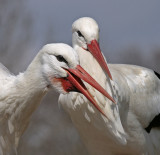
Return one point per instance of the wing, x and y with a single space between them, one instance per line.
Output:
142 92
4 72
5 77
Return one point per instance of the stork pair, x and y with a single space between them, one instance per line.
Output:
120 128
55 66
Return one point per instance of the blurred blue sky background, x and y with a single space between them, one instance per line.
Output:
122 22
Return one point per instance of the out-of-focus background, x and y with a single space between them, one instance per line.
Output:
129 33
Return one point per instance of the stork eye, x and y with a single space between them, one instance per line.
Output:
80 34
61 59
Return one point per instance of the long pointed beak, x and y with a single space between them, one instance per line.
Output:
82 74
94 48
75 76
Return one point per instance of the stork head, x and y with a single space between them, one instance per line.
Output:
85 34
56 60
61 69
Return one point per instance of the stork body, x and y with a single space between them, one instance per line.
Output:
20 96
126 130
55 66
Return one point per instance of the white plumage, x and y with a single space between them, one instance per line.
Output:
55 66
127 128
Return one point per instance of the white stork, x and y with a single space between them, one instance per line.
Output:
132 127
55 66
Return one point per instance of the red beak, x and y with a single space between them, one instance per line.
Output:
75 76
94 48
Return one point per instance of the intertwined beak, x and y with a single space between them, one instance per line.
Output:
76 75
94 48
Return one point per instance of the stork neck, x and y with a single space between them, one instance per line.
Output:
25 95
89 63
32 87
